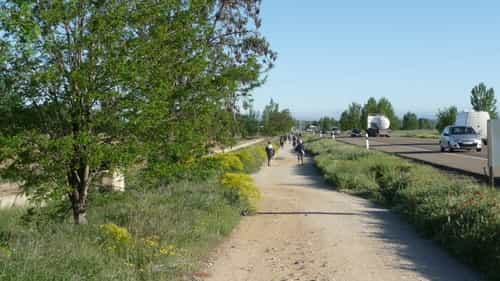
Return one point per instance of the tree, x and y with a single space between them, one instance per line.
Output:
370 107
351 118
426 124
327 123
249 123
446 117
396 123
384 107
410 121
96 85
276 122
483 99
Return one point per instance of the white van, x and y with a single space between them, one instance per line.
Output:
478 120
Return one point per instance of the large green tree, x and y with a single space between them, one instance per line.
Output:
483 99
351 118
276 121
410 121
95 85
446 117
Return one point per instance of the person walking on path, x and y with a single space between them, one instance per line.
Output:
300 149
269 153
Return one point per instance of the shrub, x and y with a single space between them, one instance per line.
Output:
115 235
230 162
241 188
252 157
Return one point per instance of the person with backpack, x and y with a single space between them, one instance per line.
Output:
300 149
269 153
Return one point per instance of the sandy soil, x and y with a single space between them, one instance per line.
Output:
306 232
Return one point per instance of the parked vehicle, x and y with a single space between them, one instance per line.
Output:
460 138
378 125
478 120
356 133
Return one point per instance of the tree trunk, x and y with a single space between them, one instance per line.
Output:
79 182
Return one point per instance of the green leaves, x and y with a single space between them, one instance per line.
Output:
276 122
351 118
483 99
410 121
97 85
446 117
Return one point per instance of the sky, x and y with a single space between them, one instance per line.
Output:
422 55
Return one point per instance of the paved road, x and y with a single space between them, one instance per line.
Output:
427 150
306 231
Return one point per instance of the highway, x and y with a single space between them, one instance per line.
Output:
428 151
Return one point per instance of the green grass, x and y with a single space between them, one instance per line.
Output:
160 230
423 134
458 212
192 217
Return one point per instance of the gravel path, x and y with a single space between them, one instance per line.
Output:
306 232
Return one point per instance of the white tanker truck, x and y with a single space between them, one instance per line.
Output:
378 125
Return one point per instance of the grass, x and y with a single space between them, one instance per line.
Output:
190 216
422 134
458 212
152 231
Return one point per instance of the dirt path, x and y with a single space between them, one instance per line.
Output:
306 232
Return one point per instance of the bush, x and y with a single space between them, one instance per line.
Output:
230 162
252 157
457 212
242 189
115 235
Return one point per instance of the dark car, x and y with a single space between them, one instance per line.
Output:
356 133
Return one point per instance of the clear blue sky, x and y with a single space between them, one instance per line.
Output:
422 55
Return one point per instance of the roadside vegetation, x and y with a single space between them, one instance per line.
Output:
145 90
458 212
153 231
